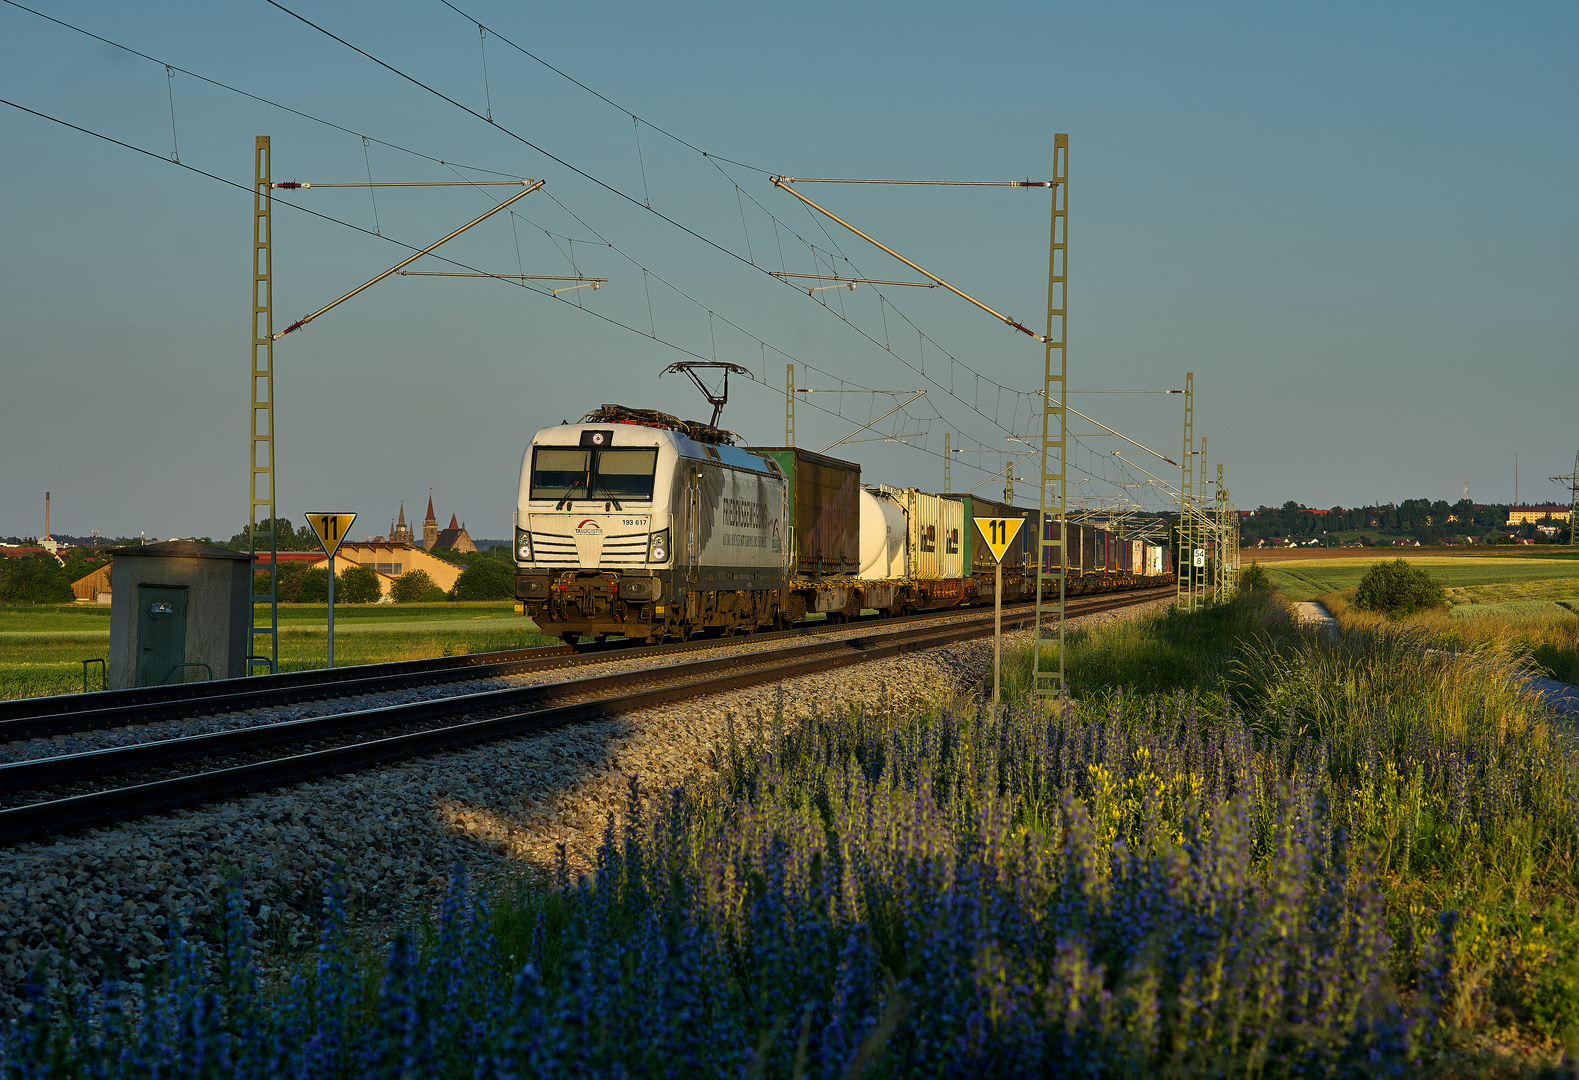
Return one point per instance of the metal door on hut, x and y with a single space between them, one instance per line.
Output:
161 633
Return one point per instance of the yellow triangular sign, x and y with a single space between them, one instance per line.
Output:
331 529
999 533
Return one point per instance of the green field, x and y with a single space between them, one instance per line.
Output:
1469 580
42 646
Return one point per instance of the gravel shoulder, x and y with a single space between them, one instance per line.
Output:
392 834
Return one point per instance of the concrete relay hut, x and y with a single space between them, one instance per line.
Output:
180 611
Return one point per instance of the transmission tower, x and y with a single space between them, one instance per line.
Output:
1572 483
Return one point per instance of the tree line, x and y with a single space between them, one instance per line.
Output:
40 579
1425 520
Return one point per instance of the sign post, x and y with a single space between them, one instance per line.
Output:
330 530
998 533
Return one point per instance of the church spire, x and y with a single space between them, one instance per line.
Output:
430 526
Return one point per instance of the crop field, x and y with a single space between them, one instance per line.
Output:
1484 579
42 646
1279 856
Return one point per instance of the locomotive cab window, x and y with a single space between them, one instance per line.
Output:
624 474
621 474
557 472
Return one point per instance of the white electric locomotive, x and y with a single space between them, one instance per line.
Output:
638 524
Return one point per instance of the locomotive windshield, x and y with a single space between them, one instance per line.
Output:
558 472
624 474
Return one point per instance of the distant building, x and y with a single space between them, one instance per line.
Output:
93 588
28 550
399 531
456 538
430 526
391 560
1518 515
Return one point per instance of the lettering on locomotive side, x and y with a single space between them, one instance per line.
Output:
740 514
745 540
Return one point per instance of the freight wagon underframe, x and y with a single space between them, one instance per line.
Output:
651 605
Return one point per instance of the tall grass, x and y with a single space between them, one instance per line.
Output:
1547 640
1435 755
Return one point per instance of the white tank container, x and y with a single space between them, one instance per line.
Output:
882 537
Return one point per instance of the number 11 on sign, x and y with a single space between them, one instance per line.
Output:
999 533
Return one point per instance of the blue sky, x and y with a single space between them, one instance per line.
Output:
1353 223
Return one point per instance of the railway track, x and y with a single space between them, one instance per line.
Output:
72 791
47 717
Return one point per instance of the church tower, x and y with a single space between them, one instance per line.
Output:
430 526
400 532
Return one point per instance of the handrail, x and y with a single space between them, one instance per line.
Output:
104 672
189 663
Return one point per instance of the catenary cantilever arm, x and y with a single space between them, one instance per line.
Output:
783 182
530 186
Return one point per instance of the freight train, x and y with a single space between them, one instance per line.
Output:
638 524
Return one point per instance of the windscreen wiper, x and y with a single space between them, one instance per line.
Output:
564 500
608 491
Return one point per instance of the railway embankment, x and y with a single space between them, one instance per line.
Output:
107 900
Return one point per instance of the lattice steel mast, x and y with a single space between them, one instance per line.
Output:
1220 566
789 404
261 442
1183 592
1055 429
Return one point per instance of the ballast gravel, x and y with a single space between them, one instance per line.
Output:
618 660
108 898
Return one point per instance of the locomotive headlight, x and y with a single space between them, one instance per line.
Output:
658 546
523 545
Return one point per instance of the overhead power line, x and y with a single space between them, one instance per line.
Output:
244 93
712 158
588 176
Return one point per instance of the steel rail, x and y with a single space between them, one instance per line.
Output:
32 718
21 823
212 695
93 764
99 700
